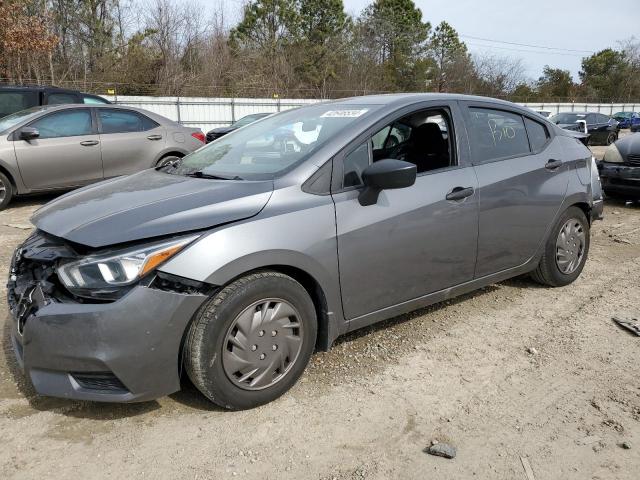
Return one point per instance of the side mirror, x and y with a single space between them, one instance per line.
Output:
385 175
29 133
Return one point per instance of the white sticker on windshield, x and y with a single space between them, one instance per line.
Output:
344 113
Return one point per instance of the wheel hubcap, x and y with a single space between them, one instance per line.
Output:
3 190
570 246
262 344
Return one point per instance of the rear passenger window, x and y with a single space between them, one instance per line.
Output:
61 99
123 121
538 134
496 134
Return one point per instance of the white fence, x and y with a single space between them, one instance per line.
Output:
208 113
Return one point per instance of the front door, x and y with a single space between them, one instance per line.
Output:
413 241
67 153
522 183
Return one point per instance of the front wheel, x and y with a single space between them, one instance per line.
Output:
612 138
6 191
251 342
565 251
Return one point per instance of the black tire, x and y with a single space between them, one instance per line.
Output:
548 272
612 137
6 191
207 338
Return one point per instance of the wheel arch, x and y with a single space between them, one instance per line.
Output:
585 207
169 152
327 331
7 173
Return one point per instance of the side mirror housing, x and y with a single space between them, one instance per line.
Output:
385 175
29 133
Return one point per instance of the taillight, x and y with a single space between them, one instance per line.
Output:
198 136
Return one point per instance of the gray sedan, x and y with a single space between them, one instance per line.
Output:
235 264
67 146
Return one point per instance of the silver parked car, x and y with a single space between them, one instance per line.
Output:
234 264
67 146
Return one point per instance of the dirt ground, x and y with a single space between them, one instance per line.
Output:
509 372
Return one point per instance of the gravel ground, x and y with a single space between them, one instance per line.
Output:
512 374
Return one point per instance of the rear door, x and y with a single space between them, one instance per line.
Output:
67 153
522 183
413 241
130 141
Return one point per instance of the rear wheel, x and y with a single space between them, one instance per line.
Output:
6 191
565 251
251 342
167 160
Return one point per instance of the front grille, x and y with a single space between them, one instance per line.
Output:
633 159
105 381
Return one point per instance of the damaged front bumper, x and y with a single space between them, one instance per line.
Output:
121 351
620 179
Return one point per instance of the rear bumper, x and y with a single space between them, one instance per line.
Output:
125 351
619 178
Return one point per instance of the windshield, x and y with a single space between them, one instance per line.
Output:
273 146
622 115
250 119
15 118
568 117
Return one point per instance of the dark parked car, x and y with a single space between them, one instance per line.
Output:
602 129
246 120
620 168
16 98
627 119
235 264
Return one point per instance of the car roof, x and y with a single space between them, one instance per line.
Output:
154 116
399 99
39 88
585 113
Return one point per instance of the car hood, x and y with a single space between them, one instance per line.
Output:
628 145
149 204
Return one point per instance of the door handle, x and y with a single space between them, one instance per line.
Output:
89 143
154 137
553 164
460 193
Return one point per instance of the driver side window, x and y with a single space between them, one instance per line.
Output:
67 123
421 138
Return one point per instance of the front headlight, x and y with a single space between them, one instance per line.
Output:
109 272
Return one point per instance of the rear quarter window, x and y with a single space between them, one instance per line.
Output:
496 134
538 134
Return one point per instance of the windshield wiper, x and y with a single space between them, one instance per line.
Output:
201 174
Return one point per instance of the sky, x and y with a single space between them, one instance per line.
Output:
589 25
